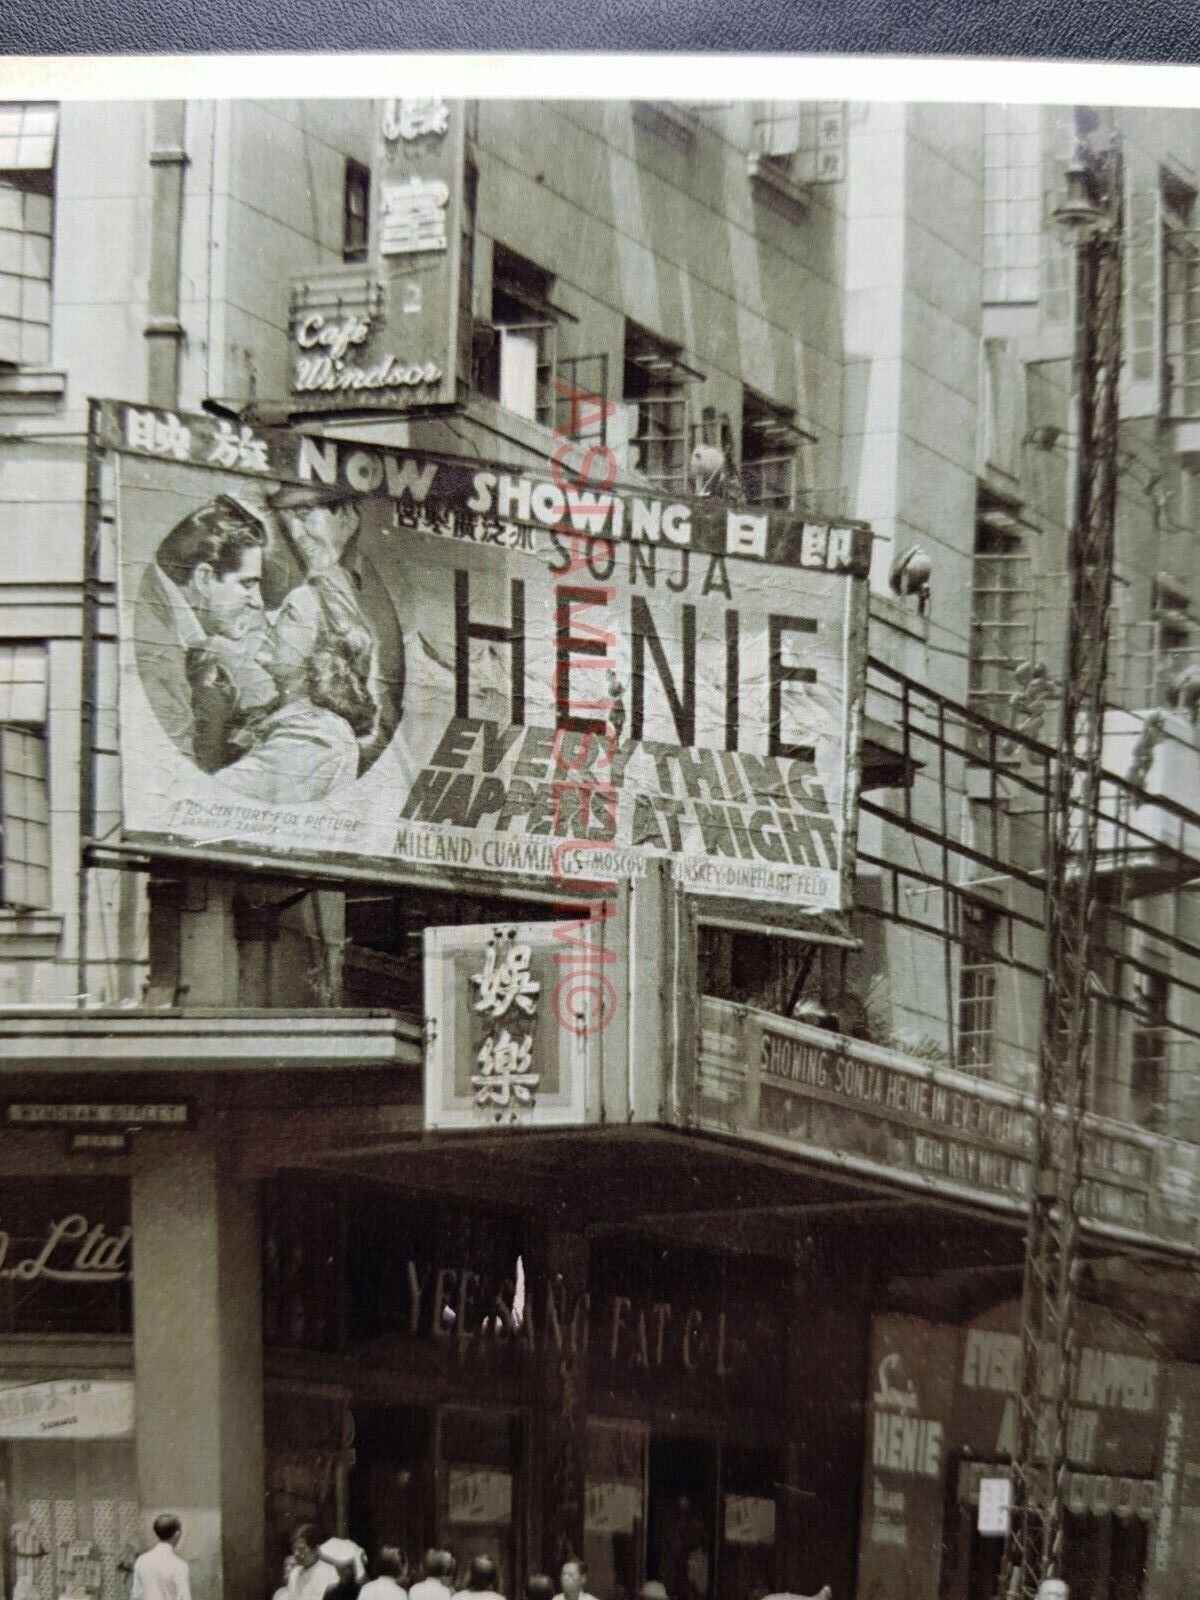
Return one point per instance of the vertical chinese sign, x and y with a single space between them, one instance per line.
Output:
394 334
497 1054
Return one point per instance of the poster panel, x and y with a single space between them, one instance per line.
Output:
333 652
1175 1535
909 1407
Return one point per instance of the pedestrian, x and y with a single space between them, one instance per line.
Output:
438 1568
161 1574
388 1567
481 1579
311 1576
573 1579
348 1561
289 1562
539 1587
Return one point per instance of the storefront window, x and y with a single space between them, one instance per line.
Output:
615 1508
749 1527
478 1490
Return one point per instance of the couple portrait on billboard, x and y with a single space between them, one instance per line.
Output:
267 645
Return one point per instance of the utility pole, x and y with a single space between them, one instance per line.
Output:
1092 211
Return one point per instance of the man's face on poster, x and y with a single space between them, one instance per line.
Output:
229 603
324 531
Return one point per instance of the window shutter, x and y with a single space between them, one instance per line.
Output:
1142 370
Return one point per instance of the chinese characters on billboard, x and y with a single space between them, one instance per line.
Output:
333 651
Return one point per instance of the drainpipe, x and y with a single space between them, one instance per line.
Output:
164 331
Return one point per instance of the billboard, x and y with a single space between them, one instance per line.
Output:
330 652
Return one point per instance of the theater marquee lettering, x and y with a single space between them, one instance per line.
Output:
812 1090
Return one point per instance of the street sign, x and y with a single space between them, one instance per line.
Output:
995 1500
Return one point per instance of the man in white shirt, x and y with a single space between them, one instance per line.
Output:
572 1578
439 1566
385 1585
310 1577
160 1574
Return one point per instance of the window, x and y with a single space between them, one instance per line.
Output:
1161 376
655 415
771 446
1181 248
27 144
977 987
356 211
1012 202
1148 1065
1001 632
24 804
515 356
581 399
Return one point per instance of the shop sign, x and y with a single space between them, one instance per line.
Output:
909 1406
479 1496
855 1104
499 1050
749 1519
74 1250
68 1409
610 1508
395 335
495 611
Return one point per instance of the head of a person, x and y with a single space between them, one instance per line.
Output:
168 1528
482 1575
338 678
652 1589
306 1541
389 1563
573 1577
444 1568
321 524
214 557
540 1587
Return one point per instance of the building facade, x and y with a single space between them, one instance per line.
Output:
738 1315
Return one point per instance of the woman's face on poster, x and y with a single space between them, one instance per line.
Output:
287 648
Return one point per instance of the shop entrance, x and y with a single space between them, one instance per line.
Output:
447 1477
681 1515
391 1492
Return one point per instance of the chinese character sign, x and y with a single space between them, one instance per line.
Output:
329 651
498 1051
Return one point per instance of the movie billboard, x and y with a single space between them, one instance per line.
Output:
330 652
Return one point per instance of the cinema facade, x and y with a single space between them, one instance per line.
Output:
737 1339
417 1148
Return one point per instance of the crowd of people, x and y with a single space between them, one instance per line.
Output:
337 1569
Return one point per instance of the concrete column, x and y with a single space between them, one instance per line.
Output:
197 1340
208 950
559 1462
